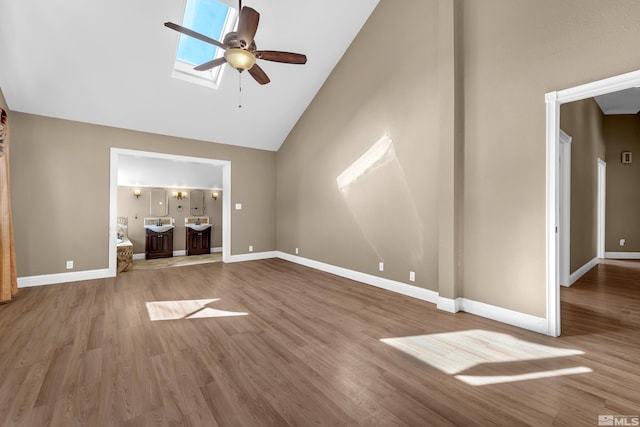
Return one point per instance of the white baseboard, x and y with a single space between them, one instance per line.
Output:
180 253
138 256
504 315
380 282
214 250
52 279
448 304
573 277
622 255
511 317
252 256
515 318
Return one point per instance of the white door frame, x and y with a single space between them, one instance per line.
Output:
113 202
565 208
602 204
553 101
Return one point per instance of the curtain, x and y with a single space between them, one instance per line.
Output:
8 274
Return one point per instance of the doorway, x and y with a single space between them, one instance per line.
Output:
553 102
116 156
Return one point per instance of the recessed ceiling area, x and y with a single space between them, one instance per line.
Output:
141 171
622 102
110 63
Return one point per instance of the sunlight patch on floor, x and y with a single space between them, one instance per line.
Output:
454 353
186 309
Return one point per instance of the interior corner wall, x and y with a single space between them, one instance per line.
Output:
60 186
584 122
386 211
622 133
514 53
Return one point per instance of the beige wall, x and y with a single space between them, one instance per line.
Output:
583 121
513 52
136 209
622 133
60 190
388 214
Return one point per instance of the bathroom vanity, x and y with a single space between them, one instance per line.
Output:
198 235
158 238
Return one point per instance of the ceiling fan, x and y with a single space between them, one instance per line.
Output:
240 49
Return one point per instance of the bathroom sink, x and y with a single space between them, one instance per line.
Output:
198 227
159 228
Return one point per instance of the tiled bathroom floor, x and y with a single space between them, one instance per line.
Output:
176 261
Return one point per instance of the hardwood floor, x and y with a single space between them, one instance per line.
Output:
274 343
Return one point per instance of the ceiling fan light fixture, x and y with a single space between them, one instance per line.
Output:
240 59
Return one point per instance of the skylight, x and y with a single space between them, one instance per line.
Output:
213 19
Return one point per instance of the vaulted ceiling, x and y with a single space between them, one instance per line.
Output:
110 63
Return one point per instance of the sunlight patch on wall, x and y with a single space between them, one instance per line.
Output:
480 357
375 154
375 190
186 309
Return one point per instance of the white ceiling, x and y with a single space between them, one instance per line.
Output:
621 102
110 63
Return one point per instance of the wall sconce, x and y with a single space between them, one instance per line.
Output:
137 193
214 195
180 195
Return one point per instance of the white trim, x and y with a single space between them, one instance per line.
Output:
113 202
602 208
180 253
52 279
582 271
565 208
552 214
379 282
252 256
448 304
139 256
216 249
499 314
504 315
622 255
515 318
553 101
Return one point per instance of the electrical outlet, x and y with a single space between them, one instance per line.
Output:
381 266
250 248
412 276
238 206
69 265
297 251
622 242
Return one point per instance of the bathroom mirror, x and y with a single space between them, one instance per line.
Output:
196 200
159 202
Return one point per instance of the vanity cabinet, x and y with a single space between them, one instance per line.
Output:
198 242
158 245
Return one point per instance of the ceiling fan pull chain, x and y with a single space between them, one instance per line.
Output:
239 90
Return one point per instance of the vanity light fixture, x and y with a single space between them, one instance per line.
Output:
214 195
180 195
137 193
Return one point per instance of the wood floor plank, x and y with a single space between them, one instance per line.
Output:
312 349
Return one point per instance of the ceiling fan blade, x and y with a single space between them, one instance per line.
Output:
210 64
193 34
259 74
286 57
247 25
